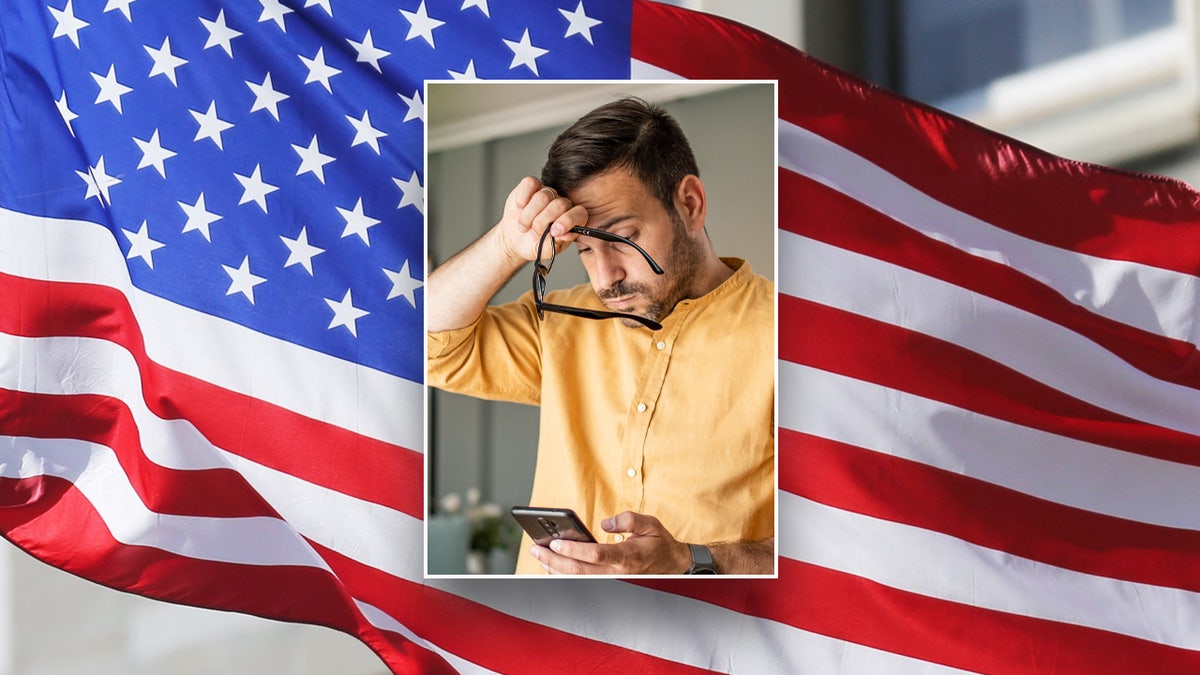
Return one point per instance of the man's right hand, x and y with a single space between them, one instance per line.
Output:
459 289
531 207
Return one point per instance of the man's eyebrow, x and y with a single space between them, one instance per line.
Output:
610 223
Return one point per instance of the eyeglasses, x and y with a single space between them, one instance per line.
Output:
540 270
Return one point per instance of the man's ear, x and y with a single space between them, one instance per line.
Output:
691 202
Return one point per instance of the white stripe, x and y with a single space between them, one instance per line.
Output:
356 528
361 399
680 629
97 474
937 565
1040 349
383 621
1152 299
1044 465
640 70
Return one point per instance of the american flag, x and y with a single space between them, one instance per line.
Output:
210 351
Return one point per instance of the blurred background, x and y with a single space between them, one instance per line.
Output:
1109 81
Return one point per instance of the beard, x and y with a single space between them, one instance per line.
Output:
681 268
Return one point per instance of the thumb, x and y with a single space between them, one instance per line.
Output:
634 523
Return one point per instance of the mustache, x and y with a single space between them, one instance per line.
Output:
621 289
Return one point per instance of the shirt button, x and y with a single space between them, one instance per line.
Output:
618 538
631 472
641 407
661 345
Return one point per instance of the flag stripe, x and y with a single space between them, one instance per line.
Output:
1063 361
60 525
960 635
374 404
993 450
1159 302
262 432
940 566
95 472
835 219
512 644
986 514
106 421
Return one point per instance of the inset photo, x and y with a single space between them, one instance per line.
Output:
600 314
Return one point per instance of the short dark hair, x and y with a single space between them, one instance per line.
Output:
629 134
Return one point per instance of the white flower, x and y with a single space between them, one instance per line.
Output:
451 503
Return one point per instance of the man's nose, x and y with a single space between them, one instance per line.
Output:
608 268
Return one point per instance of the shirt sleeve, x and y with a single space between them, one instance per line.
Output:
498 357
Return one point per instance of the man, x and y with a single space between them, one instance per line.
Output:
656 427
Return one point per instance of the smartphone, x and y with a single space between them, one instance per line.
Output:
545 525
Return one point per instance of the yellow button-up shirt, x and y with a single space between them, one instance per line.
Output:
676 423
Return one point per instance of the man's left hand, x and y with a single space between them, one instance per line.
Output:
648 548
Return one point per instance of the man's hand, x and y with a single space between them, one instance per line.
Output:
459 289
529 209
647 549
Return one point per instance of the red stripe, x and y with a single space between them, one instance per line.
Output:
58 525
857 610
829 216
847 477
490 638
866 349
268 434
1081 207
108 422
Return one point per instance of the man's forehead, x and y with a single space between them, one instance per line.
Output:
609 192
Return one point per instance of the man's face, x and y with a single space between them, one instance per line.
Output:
618 202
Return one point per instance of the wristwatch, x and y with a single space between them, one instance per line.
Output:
702 562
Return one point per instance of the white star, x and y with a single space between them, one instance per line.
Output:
122 5
211 126
219 33
524 53
323 3
318 71
368 52
420 24
345 313
98 182
67 23
110 90
254 189
266 97
165 62
481 4
142 246
416 107
414 194
580 23
357 222
241 280
274 11
154 154
403 284
198 217
67 114
311 159
468 74
364 132
300 252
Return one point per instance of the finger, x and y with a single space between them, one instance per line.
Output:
524 190
637 524
556 563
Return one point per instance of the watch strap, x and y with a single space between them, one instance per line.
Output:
702 561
